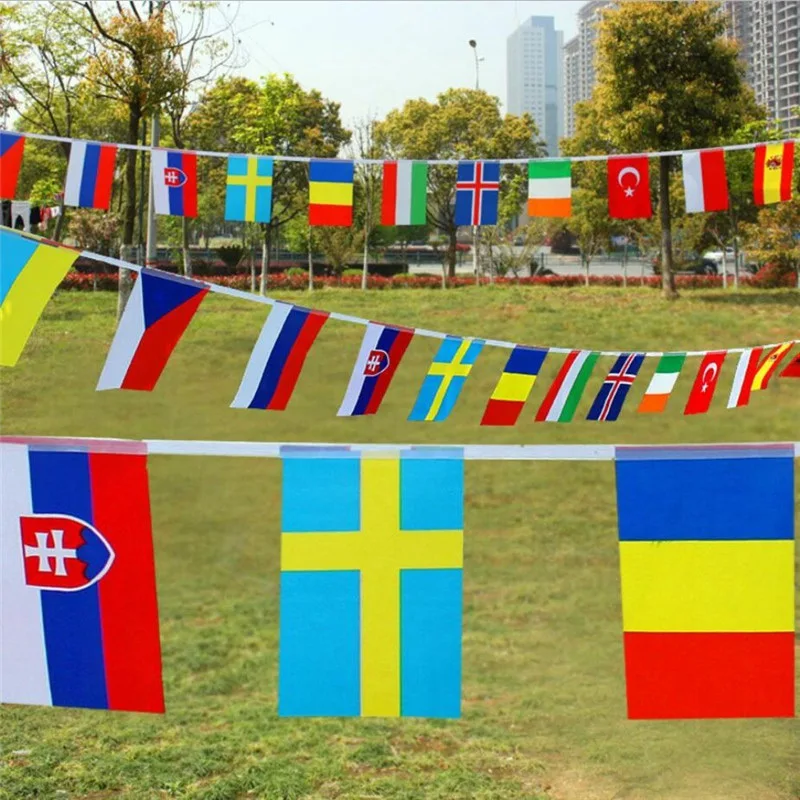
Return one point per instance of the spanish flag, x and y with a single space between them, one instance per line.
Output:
772 179
330 185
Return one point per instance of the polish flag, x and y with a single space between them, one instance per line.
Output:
704 180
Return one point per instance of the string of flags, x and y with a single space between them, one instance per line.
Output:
249 183
162 305
371 578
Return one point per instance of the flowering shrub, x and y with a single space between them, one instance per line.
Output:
768 278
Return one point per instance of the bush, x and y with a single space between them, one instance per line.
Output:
231 253
351 273
294 272
774 276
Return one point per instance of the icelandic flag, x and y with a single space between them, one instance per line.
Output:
615 388
90 175
78 608
477 192
174 175
278 357
381 351
12 145
158 312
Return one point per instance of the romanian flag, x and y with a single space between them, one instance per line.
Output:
90 175
30 271
550 188
707 573
515 384
12 146
330 186
371 584
159 310
278 357
446 376
772 179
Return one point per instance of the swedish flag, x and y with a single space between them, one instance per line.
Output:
248 197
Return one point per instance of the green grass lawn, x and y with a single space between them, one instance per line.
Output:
543 692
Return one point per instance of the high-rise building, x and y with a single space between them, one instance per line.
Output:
579 67
769 36
535 77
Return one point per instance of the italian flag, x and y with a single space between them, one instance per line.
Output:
662 383
549 188
405 186
563 396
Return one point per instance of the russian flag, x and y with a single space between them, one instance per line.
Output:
381 351
158 312
174 175
78 607
12 146
90 175
278 357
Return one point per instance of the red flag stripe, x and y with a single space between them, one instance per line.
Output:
787 169
715 183
389 198
105 177
758 175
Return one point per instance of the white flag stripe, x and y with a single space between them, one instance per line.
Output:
662 383
549 188
402 207
260 355
23 660
72 189
158 163
123 347
564 389
368 344
693 182
738 378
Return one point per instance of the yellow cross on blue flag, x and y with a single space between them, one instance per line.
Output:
446 375
371 583
248 196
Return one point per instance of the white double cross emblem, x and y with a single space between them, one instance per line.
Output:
57 552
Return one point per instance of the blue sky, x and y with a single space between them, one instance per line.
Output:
372 55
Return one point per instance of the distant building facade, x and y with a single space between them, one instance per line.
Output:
535 77
769 36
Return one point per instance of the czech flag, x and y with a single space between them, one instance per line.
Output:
158 312
11 148
78 607
381 351
90 175
174 175
278 357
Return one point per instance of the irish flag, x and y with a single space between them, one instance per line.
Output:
405 186
662 383
772 179
549 188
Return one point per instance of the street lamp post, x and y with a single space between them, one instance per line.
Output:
474 45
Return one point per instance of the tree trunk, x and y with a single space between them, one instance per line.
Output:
187 253
585 270
265 259
253 269
59 231
134 118
365 267
127 253
451 253
310 263
667 278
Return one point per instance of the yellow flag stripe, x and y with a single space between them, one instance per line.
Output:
27 297
331 194
772 177
707 586
513 386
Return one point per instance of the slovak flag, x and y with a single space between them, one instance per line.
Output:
78 607
382 349
160 308
477 192
174 175
90 175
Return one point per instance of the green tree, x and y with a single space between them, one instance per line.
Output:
461 124
590 224
668 80
775 236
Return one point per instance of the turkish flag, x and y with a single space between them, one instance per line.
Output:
629 188
792 368
705 383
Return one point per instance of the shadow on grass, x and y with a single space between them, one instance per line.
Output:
787 298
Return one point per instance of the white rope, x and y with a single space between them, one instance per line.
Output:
438 161
270 301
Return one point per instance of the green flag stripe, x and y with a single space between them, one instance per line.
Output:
419 190
575 393
549 169
671 362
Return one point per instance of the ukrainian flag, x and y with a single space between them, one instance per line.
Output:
30 271
442 385
330 185
371 583
248 196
